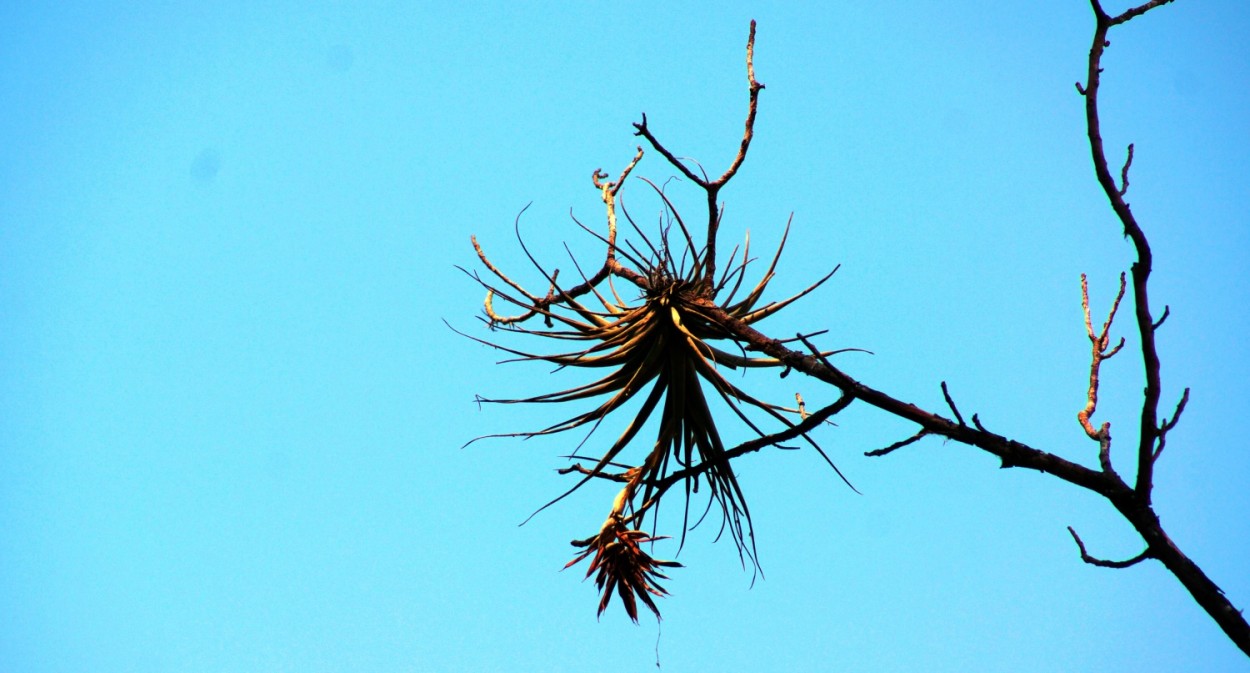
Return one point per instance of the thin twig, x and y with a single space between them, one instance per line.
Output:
1159 323
811 422
749 132
951 403
1102 563
1124 171
1098 353
897 445
580 469
1169 424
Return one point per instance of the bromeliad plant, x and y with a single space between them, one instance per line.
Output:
668 348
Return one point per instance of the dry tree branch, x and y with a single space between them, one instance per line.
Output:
1133 502
664 342
812 421
951 403
1142 267
1152 433
712 187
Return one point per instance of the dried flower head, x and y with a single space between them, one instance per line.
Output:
624 567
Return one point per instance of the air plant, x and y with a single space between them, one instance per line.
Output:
667 347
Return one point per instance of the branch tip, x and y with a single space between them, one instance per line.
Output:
1124 171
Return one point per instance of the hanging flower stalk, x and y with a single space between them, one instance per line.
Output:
668 347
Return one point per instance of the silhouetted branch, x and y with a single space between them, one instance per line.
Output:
1104 563
1169 424
951 403
977 422
897 445
806 425
1124 171
1166 313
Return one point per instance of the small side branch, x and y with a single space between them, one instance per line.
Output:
1159 323
977 422
951 403
1099 351
897 445
1169 424
1129 13
641 129
810 422
1103 563
749 133
578 468
616 186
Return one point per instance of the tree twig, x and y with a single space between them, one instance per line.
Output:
1102 563
897 445
951 403
1099 352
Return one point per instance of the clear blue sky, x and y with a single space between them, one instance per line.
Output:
231 417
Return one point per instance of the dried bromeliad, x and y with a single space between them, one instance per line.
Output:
662 347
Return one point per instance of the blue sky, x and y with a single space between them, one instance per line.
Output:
231 415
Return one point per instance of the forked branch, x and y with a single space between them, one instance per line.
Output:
1100 352
712 187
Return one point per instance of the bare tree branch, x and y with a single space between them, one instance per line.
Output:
1142 267
1104 563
